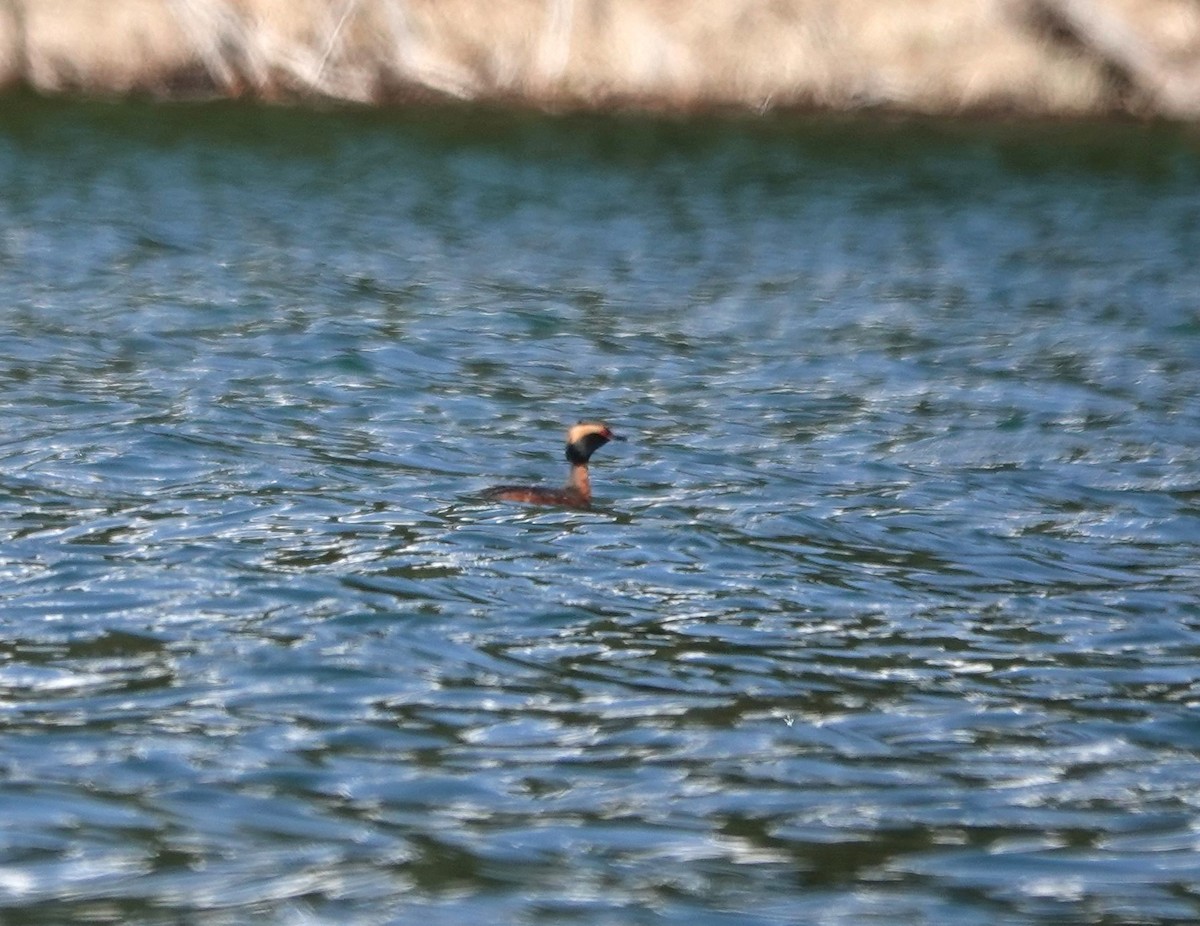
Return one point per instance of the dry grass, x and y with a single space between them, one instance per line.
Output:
938 56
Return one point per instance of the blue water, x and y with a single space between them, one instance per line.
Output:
886 611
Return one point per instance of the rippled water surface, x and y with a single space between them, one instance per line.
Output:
886 612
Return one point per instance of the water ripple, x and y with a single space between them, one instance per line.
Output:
885 612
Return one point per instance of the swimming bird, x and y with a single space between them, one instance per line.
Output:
583 440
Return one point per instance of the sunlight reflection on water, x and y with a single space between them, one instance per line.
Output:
886 609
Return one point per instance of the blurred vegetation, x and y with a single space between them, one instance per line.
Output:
1042 57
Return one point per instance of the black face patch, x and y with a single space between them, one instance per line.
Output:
581 450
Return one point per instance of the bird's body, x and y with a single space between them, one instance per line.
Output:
583 440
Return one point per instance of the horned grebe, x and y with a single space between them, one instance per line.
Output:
583 440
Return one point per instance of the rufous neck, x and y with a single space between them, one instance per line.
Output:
580 481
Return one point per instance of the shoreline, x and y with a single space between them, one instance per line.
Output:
1038 58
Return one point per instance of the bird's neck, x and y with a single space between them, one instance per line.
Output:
579 481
